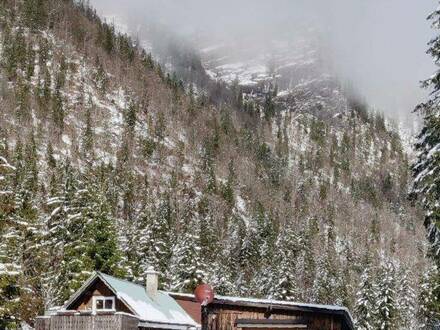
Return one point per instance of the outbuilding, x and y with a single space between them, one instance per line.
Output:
234 313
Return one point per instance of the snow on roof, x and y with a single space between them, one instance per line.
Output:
160 309
279 302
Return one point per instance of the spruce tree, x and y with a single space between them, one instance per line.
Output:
186 266
231 259
387 311
66 238
209 240
284 284
426 170
248 255
406 300
308 258
365 303
327 282
161 235
103 247
10 267
428 312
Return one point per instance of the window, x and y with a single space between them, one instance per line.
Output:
103 303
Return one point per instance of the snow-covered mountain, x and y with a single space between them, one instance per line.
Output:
249 169
250 62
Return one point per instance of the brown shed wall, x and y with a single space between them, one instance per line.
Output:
223 317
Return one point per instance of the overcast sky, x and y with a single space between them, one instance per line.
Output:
379 45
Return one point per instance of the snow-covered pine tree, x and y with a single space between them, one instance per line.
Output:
75 265
81 233
248 256
145 246
308 258
102 246
208 235
29 224
365 303
161 229
20 228
347 287
426 170
266 234
284 283
62 211
327 282
186 265
426 173
406 300
262 266
428 312
10 268
386 304
127 238
227 271
219 274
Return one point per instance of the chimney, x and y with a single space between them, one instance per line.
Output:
152 282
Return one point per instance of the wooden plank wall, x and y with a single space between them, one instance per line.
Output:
87 322
224 318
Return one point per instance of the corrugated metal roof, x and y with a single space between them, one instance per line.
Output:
161 309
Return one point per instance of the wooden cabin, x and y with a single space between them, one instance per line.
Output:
231 313
105 302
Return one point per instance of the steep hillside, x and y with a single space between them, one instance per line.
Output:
108 163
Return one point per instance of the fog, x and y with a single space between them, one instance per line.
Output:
379 46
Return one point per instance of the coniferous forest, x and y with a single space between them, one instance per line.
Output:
109 162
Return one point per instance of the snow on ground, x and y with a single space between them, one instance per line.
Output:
231 61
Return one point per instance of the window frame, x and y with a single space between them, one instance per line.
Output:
104 299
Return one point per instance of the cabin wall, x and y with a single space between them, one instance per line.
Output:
223 318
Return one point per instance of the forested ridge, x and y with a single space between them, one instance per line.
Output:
109 163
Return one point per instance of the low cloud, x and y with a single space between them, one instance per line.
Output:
377 45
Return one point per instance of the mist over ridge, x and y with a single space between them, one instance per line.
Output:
376 46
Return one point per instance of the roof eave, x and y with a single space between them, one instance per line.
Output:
173 326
